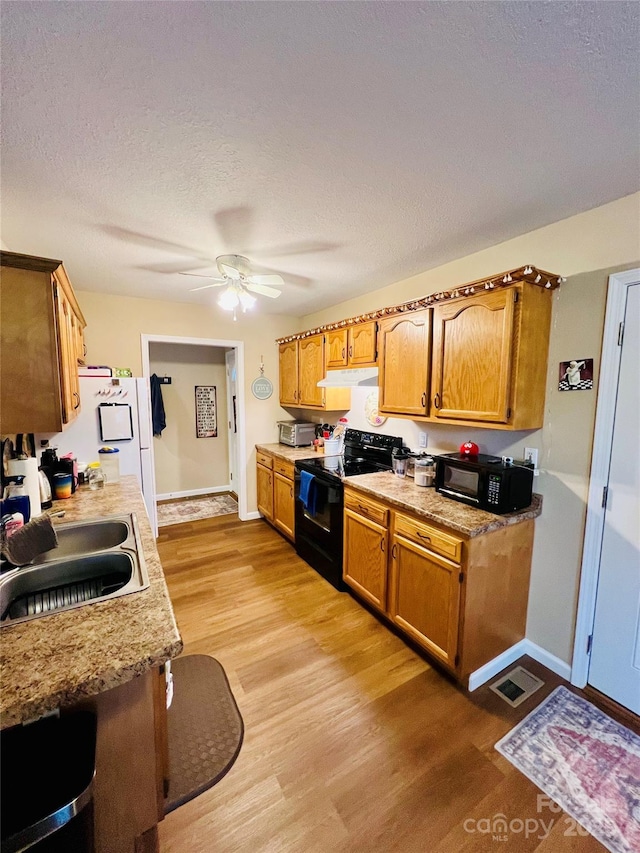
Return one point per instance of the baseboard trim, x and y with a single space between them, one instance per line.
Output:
193 493
250 516
510 655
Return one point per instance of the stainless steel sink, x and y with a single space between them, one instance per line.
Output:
95 561
87 538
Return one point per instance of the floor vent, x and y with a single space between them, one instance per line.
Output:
516 686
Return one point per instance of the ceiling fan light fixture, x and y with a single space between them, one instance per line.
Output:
229 299
246 299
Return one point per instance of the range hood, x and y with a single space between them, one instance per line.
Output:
350 378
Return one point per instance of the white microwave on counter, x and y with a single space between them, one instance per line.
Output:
296 433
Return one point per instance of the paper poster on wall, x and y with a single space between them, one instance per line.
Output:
206 416
576 375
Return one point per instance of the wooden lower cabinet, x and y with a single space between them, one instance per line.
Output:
365 558
462 599
275 480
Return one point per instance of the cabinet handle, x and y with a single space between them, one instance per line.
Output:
436 401
350 351
343 352
423 399
394 551
84 349
291 491
422 536
77 396
295 395
382 545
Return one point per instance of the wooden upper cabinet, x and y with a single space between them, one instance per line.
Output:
490 358
363 345
40 339
288 362
310 371
352 346
337 343
404 342
472 348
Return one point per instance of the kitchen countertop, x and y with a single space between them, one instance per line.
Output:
56 660
430 505
289 454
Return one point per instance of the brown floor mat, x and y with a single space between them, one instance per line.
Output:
205 728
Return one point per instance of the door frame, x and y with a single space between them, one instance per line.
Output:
600 462
232 385
238 346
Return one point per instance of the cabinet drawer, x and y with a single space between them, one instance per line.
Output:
282 466
423 534
370 509
264 459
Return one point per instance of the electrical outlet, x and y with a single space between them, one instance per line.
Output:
422 439
531 457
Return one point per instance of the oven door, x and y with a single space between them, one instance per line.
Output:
318 537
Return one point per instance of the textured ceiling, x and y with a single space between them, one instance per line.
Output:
344 144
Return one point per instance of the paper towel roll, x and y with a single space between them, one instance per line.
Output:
28 468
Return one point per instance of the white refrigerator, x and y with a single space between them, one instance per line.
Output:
84 437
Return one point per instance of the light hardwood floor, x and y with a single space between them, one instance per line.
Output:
353 741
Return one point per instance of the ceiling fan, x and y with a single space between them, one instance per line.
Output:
239 283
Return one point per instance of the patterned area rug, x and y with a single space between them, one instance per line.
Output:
205 729
586 762
195 509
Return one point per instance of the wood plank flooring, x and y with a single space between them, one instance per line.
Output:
353 741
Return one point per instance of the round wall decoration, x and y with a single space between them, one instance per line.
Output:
262 388
371 409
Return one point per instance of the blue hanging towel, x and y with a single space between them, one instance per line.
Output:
308 494
157 406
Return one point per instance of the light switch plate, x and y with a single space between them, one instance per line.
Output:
422 439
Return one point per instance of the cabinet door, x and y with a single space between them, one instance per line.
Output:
264 480
363 344
283 504
288 364
472 345
311 371
365 558
337 348
404 342
424 598
66 330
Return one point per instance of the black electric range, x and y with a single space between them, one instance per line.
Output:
319 527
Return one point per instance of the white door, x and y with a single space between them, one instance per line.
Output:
615 653
232 417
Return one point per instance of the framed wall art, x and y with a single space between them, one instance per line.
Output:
206 414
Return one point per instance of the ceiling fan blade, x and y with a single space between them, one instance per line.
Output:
207 286
269 280
200 275
262 289
231 272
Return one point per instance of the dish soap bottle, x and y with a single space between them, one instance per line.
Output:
15 498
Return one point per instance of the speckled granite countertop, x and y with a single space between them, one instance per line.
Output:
56 660
427 503
290 454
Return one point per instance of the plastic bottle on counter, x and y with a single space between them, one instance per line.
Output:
12 522
96 476
110 462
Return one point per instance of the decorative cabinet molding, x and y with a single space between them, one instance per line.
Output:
41 345
447 593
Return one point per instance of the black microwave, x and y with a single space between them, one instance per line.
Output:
485 482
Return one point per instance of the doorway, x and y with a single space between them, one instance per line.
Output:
607 643
221 346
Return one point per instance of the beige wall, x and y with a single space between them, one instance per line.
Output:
115 323
184 462
587 249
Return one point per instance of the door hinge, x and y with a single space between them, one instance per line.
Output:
231 475
605 495
460 577
620 333
589 643
516 295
